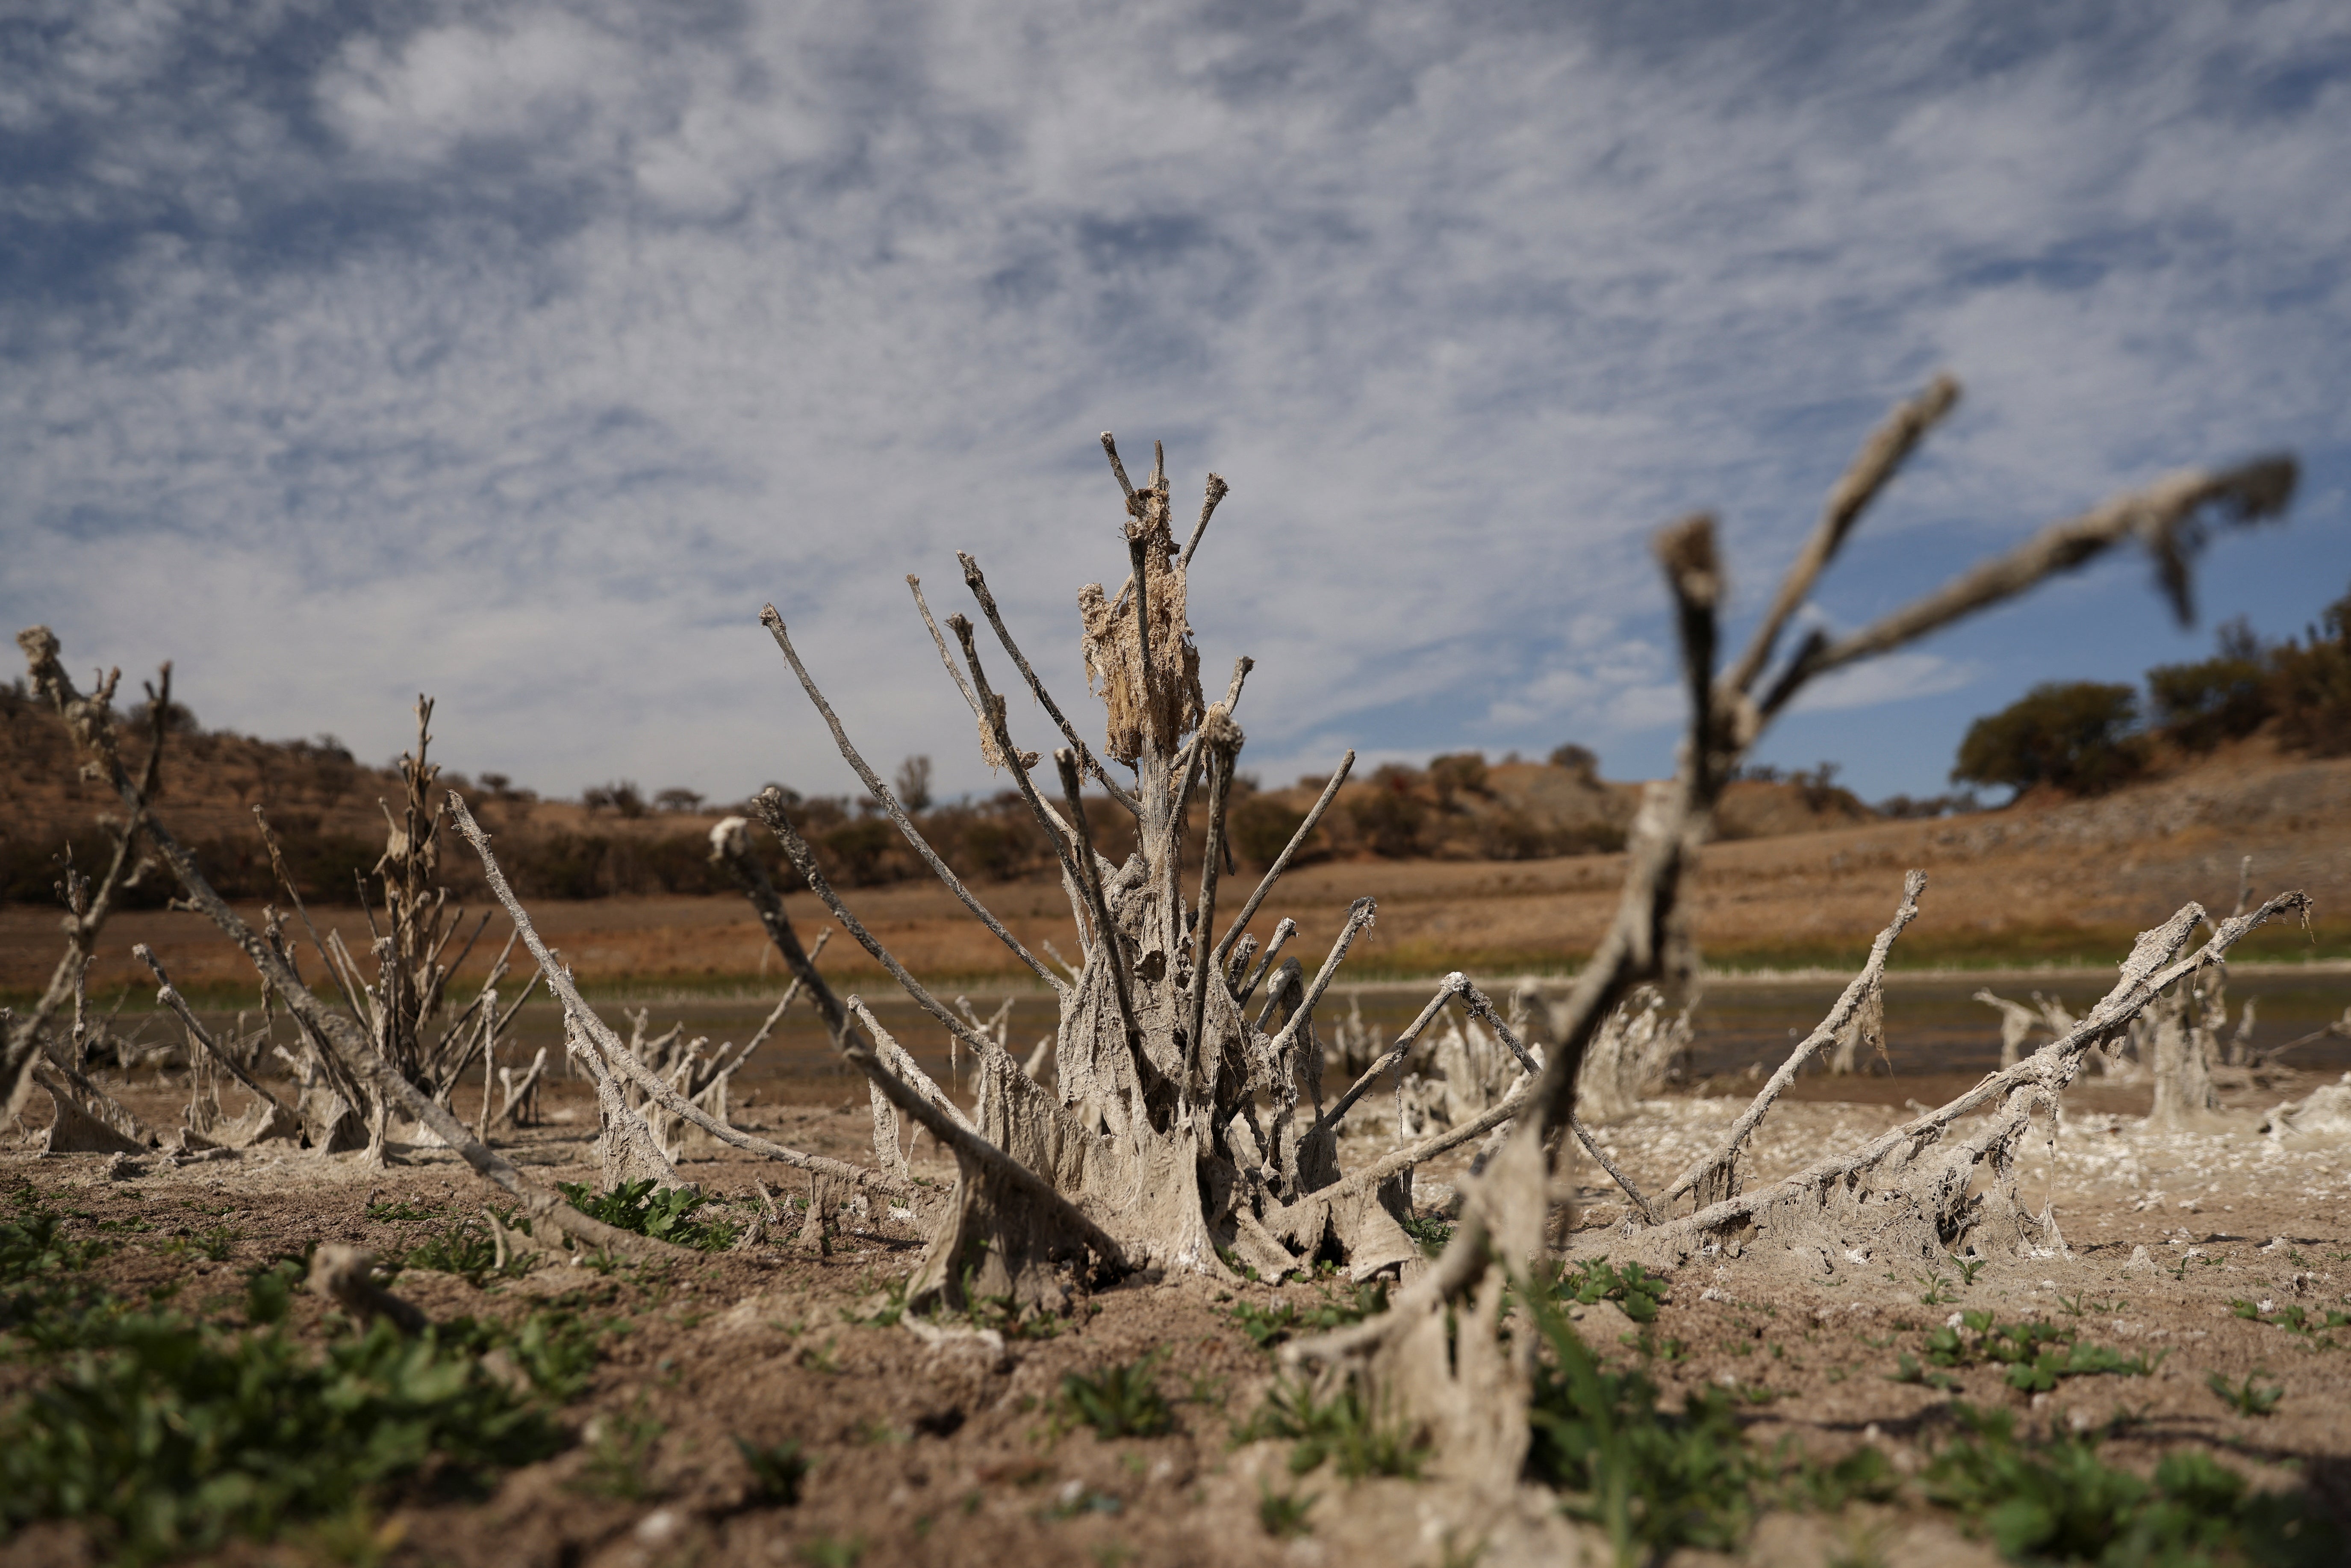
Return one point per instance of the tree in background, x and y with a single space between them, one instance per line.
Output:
1580 760
2310 687
2225 697
2079 736
914 783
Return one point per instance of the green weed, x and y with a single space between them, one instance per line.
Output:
2246 1398
666 1214
1282 1514
1119 1402
166 1438
2036 1353
1286 1319
1429 1231
824 1552
1969 1267
1342 1430
2055 1500
1633 1287
1652 1479
776 1470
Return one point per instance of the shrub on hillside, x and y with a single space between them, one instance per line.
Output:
2079 736
1458 773
2225 697
1263 827
2310 687
1580 760
1390 813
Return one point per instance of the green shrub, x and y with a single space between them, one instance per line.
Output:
1268 1326
2075 735
1341 1428
2310 687
1654 1481
2225 697
1119 1402
666 1214
176 1437
2055 1500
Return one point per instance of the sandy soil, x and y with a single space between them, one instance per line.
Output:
950 1454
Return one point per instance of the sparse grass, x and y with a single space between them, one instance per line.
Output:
215 1243
1357 1441
776 1470
2053 1500
1633 1287
1286 1319
2297 1320
2250 1397
1282 1514
620 1456
2036 1353
165 1437
1118 1402
468 1250
666 1214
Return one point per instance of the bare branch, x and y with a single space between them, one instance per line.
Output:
769 804
1283 930
940 642
1393 1056
615 1051
1873 973
1217 490
880 792
1592 1147
2167 517
1281 862
1222 738
978 586
1880 458
1106 944
170 996
902 1062
1110 450
1359 915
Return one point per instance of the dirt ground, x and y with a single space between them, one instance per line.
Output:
950 1452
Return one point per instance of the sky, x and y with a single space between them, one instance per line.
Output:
518 353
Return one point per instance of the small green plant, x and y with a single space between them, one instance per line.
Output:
213 1243
1652 1479
666 1214
1342 1430
1937 1286
826 1552
468 1250
1119 1402
1969 1267
1268 1326
386 1211
1282 1514
1633 1287
620 1456
2055 1500
2247 1398
2035 1355
1429 1231
166 1438
776 1470
2074 1306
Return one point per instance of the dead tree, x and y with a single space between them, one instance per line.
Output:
1439 1355
31 1054
346 1048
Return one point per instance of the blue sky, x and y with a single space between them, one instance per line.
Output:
517 353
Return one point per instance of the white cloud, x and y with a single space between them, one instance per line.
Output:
521 353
